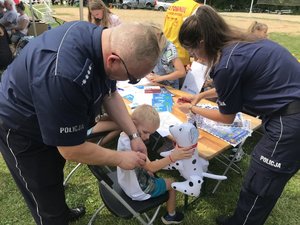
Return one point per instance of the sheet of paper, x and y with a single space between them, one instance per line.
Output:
130 90
166 120
125 84
142 98
194 79
233 134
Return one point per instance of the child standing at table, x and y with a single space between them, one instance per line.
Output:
140 184
169 68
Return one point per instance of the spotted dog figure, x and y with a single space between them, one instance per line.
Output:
192 169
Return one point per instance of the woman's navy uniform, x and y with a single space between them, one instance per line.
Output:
264 78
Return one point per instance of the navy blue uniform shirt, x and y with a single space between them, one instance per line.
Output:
55 87
261 76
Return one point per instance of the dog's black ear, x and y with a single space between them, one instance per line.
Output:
195 124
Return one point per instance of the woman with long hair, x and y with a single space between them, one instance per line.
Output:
100 15
263 77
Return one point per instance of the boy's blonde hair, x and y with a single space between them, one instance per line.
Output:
146 114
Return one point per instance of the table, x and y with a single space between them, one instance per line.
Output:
209 146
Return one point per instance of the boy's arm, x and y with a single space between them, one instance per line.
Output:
156 165
176 154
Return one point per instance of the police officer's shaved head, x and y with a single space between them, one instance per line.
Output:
136 43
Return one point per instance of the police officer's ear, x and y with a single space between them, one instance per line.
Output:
111 61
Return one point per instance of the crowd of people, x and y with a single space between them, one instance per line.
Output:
53 95
14 23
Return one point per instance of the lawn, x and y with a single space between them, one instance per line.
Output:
83 189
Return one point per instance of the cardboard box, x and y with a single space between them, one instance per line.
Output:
40 28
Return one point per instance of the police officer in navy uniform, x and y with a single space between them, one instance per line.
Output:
49 97
263 77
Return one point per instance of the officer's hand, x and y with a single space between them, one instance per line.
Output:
138 145
131 159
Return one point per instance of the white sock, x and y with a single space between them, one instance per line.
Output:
173 213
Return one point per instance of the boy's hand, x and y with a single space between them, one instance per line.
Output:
182 153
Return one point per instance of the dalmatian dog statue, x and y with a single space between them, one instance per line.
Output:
192 169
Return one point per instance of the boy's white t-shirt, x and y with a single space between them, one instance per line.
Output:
127 178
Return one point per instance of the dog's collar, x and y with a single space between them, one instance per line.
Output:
191 147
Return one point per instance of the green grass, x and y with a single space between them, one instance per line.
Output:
83 189
291 42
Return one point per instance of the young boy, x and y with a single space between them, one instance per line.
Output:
140 184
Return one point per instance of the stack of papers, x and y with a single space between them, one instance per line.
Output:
233 134
139 95
166 120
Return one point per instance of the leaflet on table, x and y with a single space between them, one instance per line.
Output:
140 99
166 120
195 78
136 95
239 121
161 102
130 92
233 133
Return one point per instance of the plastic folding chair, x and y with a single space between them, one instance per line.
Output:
118 203
99 137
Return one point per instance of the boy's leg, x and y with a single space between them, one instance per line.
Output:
171 217
171 203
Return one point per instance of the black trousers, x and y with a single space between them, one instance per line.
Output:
275 159
38 172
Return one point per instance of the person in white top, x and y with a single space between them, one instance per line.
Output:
9 18
140 183
21 29
100 15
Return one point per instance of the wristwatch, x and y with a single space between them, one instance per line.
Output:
134 135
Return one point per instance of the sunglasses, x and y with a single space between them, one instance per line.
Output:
132 79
